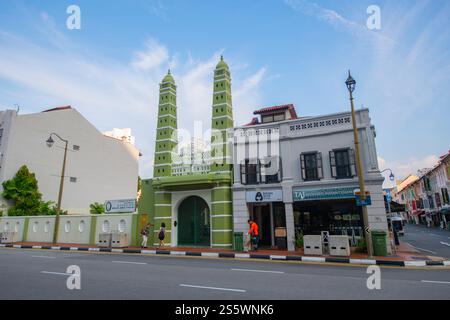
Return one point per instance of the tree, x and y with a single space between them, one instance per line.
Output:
97 208
24 192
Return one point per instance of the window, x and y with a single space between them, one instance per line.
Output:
250 172
256 171
311 166
273 117
445 197
76 148
342 163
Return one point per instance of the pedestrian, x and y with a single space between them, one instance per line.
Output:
144 233
162 234
254 235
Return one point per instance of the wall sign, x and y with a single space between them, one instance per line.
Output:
264 196
324 194
122 206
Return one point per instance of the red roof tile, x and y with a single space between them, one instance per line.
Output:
58 109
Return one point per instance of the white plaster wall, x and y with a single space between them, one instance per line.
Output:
40 229
74 229
13 224
114 223
105 168
177 199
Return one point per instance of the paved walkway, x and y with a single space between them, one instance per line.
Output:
404 252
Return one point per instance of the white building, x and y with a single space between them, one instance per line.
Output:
193 158
121 134
99 167
299 174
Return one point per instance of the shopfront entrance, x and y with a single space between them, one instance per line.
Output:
332 210
194 223
268 211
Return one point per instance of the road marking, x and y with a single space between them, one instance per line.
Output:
440 282
426 250
263 271
212 288
57 273
48 257
129 262
446 244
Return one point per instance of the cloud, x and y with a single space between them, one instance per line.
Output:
112 93
154 56
401 169
334 19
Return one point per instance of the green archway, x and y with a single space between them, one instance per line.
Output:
194 222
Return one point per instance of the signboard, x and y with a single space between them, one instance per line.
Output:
360 203
324 194
264 196
120 206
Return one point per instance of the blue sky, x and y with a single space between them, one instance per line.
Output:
279 51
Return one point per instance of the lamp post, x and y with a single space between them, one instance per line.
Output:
50 143
392 178
351 83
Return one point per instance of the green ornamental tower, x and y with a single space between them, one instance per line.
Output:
166 129
165 147
221 162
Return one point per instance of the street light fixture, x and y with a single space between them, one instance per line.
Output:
50 143
391 176
351 84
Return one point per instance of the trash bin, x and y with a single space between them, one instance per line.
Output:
239 241
379 243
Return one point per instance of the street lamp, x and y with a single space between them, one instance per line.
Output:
391 176
50 143
351 84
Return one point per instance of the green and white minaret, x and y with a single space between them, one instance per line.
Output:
166 129
221 162
165 148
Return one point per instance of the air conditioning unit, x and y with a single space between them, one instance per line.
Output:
8 237
120 240
104 240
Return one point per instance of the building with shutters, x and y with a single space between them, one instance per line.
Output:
298 174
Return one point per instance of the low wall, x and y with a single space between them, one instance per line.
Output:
76 229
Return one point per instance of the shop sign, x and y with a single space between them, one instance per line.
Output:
264 196
120 206
324 194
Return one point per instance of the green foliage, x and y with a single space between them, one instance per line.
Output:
361 247
97 208
299 239
24 192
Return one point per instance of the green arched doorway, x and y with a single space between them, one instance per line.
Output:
194 222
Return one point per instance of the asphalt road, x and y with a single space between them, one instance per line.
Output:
431 241
37 274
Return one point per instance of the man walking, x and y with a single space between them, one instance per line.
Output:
254 235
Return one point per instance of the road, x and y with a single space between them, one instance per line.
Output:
38 274
431 241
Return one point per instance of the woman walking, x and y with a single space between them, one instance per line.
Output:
162 234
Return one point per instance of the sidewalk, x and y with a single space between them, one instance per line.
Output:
405 256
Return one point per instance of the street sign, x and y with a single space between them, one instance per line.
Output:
359 202
120 206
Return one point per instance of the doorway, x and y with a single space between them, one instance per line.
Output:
194 227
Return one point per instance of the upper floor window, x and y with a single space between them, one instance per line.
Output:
273 117
311 166
256 171
342 162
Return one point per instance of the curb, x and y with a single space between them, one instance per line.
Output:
231 255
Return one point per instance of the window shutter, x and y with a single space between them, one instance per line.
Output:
302 166
258 171
243 174
333 164
351 157
319 165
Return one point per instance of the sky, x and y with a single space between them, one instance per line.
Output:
279 52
